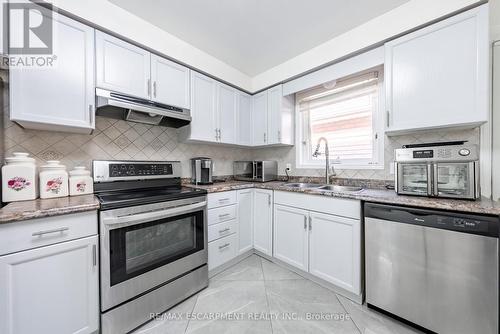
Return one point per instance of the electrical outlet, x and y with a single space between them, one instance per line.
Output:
288 167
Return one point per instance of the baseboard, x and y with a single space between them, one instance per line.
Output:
230 263
355 298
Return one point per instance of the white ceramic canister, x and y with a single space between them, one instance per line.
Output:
53 180
80 182
19 178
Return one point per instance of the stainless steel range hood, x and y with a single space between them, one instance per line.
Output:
117 105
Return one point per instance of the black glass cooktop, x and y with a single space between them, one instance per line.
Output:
127 198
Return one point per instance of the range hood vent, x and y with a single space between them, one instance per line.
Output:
121 106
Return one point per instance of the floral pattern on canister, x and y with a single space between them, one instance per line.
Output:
80 186
18 183
54 185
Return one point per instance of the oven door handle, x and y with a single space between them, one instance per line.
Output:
133 219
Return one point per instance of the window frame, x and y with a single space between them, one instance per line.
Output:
302 132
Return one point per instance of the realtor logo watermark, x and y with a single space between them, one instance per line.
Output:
30 35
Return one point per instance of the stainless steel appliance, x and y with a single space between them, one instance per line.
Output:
201 170
153 240
436 269
122 106
438 170
258 171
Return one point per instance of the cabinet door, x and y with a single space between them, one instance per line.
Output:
438 76
291 237
263 220
203 108
170 82
227 104
54 286
59 97
259 119
335 250
244 119
274 96
245 220
122 67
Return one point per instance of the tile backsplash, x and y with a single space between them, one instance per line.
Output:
121 140
286 155
117 140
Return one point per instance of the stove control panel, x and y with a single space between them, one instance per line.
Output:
131 170
109 171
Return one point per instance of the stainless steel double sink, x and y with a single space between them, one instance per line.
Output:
323 187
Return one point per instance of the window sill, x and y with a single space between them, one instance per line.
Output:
339 166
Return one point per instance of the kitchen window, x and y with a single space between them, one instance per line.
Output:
347 112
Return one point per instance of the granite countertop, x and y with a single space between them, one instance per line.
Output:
39 208
481 206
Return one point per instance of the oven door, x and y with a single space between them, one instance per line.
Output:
414 179
456 179
146 246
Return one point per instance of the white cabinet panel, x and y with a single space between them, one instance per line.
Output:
223 229
263 220
203 127
438 76
222 250
259 119
335 250
122 67
171 82
227 112
245 220
54 286
221 214
291 239
59 97
224 198
244 119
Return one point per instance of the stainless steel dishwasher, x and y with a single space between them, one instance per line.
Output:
436 269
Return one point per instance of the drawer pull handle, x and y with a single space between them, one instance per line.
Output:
223 246
224 215
223 200
57 230
227 229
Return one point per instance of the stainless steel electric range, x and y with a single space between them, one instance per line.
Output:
153 240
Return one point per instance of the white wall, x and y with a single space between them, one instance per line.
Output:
122 22
495 19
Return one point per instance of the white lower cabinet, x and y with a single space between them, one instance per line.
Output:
291 240
334 250
245 222
326 245
51 289
222 250
263 221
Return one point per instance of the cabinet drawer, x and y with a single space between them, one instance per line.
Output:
222 214
220 199
222 250
220 230
18 236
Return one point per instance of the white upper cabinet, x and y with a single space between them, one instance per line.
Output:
59 97
291 238
335 251
280 117
203 127
259 119
263 221
122 67
438 76
170 82
227 111
244 119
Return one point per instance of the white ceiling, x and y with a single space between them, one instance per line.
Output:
256 35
